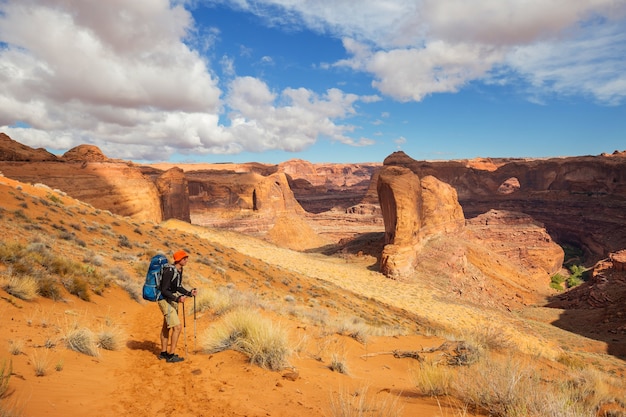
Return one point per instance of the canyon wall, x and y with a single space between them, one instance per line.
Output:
86 174
580 200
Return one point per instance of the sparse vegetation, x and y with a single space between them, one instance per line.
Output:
432 379
40 362
361 403
81 339
16 347
109 339
246 331
338 364
556 282
24 287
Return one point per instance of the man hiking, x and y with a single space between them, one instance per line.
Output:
173 293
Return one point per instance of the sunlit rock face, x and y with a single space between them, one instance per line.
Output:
413 210
86 174
580 200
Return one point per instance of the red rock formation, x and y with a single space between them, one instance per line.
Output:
11 150
87 175
174 192
412 211
85 153
581 200
323 187
247 202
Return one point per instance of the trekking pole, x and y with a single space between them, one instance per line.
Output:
185 328
194 324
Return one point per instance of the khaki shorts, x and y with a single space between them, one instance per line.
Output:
170 312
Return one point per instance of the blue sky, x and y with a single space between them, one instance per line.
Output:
324 80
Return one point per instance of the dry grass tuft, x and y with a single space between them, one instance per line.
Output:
363 404
109 339
246 331
40 362
81 339
511 388
5 375
24 287
16 347
338 364
432 379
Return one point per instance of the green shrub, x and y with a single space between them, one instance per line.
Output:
556 282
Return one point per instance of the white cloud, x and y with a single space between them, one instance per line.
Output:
118 74
593 64
291 120
416 48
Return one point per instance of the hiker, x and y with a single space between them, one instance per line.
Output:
173 293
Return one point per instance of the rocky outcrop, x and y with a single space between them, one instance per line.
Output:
251 203
413 210
86 174
85 153
174 192
580 200
11 150
324 187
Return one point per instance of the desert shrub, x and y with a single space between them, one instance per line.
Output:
54 199
93 259
246 331
556 282
77 286
16 347
577 273
133 289
356 328
48 287
510 388
24 287
81 339
503 389
361 403
220 301
124 242
109 339
40 363
338 364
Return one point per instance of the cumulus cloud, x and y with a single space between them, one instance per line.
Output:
122 75
295 123
414 49
134 77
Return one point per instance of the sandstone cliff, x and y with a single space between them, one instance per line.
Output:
87 175
14 151
251 203
427 241
581 200
322 187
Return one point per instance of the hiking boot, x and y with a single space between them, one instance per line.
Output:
174 358
163 355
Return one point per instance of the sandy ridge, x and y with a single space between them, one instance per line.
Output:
356 278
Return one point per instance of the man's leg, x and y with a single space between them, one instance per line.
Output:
165 332
174 339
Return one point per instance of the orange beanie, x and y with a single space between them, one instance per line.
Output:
178 256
